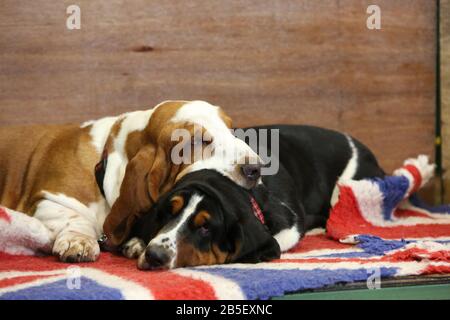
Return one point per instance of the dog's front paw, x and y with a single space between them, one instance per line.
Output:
76 248
133 248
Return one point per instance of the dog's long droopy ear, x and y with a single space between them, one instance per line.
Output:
253 242
158 173
138 192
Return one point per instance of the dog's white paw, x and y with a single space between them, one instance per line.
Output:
71 247
133 248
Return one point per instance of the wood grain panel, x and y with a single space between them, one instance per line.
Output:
445 93
264 61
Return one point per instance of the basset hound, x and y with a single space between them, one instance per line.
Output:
208 219
81 181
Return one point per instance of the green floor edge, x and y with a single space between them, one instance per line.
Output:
427 292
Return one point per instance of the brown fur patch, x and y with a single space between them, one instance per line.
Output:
54 158
177 203
188 255
201 218
133 143
114 132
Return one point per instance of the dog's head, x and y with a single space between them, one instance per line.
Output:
205 219
179 137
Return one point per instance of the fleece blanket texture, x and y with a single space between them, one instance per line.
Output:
377 228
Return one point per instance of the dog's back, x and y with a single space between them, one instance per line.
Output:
29 151
312 160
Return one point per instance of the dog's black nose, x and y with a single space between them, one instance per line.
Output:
251 171
156 256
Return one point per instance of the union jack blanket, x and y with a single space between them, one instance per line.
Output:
377 229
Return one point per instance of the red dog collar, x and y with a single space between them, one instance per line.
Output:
257 210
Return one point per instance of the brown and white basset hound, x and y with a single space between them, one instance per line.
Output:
48 171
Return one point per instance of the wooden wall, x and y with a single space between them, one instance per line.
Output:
445 93
264 61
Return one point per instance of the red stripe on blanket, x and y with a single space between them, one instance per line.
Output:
29 263
418 254
167 285
436 269
346 219
317 242
416 176
21 279
4 215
